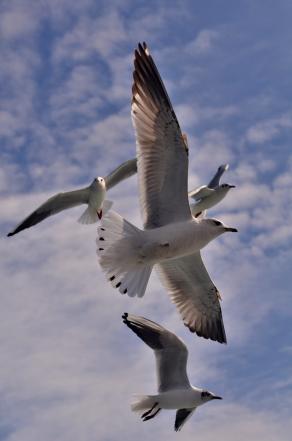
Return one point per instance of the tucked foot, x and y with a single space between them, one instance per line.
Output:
149 411
149 417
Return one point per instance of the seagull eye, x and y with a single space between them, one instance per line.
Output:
217 223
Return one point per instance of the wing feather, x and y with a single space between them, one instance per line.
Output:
182 415
170 352
195 295
161 151
55 204
123 171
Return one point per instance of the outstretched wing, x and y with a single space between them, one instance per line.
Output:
124 171
195 295
161 150
57 203
182 415
170 352
215 181
201 192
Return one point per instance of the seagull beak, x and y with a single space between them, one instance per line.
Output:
233 230
99 214
232 186
215 397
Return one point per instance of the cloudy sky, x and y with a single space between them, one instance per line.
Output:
68 365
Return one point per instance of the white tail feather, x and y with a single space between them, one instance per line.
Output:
143 402
90 214
106 206
118 245
88 217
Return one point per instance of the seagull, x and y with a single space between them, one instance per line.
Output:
174 388
209 195
172 238
93 196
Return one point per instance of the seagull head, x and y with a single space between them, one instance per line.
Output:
217 228
208 396
98 183
226 187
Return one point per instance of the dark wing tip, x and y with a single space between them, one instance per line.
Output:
125 317
217 333
10 234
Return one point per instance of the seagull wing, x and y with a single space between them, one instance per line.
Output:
161 150
53 205
124 171
201 192
195 295
215 181
182 415
170 352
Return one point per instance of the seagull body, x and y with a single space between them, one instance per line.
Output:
171 238
174 388
95 199
93 196
209 195
137 248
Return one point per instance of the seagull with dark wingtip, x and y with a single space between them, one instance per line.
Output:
209 195
93 196
174 388
172 238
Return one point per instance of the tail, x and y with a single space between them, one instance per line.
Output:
118 246
90 215
147 403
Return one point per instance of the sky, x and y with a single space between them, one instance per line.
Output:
69 367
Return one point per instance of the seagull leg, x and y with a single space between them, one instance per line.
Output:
149 417
149 411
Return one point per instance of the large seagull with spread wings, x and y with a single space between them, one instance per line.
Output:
171 238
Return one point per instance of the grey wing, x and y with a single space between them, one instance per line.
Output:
170 352
161 150
55 204
215 181
195 295
124 171
182 415
201 192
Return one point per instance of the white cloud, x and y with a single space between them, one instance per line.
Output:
18 23
203 43
69 366
265 131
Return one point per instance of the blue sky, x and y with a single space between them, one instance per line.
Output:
69 367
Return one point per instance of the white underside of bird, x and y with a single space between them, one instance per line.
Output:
172 399
205 203
97 206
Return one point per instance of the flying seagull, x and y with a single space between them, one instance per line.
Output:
209 195
93 196
174 388
171 238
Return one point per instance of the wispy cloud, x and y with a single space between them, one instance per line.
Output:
69 366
